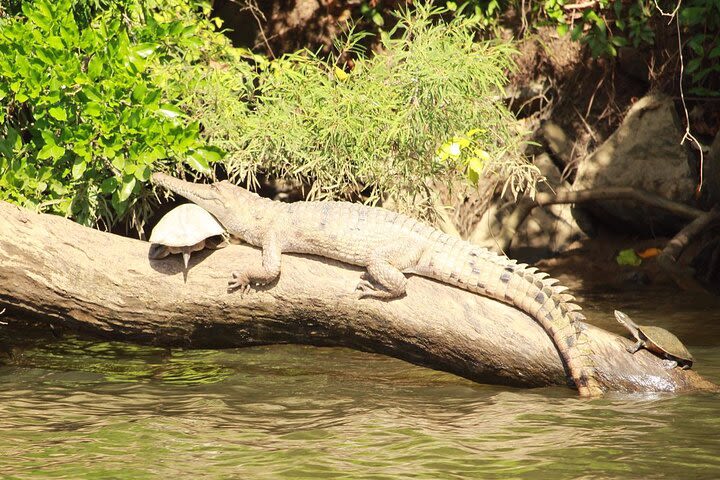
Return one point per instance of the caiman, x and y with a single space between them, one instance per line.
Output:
390 245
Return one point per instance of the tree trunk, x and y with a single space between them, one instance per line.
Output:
72 277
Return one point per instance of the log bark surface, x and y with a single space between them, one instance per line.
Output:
56 271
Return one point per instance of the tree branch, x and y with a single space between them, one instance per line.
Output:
618 193
668 258
105 285
525 205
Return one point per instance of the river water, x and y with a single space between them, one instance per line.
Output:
77 408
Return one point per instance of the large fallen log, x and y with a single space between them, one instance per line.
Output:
55 271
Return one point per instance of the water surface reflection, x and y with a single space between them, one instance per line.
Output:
85 409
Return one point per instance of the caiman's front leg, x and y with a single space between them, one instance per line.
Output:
263 273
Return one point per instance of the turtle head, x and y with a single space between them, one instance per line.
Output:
626 322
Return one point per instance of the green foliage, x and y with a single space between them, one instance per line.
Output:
606 25
609 24
370 130
467 151
82 126
83 10
701 19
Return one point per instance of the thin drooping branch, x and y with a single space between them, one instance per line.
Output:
618 193
55 272
668 258
525 205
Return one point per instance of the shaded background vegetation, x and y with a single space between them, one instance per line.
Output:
96 94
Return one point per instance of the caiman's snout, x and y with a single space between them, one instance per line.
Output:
202 194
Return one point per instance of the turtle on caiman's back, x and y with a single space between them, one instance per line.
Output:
658 341
185 229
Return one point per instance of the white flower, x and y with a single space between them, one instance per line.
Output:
454 149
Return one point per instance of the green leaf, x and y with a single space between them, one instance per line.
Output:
693 65
628 257
593 17
118 161
704 92
210 155
128 184
715 52
143 172
473 176
48 137
144 50
78 168
696 44
54 151
95 67
198 163
139 92
563 29
576 32
58 114
135 61
93 109
170 111
476 165
619 41
109 185
56 42
92 93
378 19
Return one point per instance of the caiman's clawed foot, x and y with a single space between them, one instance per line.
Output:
240 283
366 289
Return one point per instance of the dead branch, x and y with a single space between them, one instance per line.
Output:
668 258
525 205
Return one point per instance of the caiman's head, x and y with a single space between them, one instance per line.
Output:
223 200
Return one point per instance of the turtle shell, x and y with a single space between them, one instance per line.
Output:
666 342
185 226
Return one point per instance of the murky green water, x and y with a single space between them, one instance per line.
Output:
80 409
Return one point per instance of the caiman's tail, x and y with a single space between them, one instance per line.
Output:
479 270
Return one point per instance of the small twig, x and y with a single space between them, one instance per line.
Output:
523 17
688 135
671 14
592 97
580 6
259 17
587 125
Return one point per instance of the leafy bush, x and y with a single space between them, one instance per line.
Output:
606 25
371 129
82 125
701 18
92 100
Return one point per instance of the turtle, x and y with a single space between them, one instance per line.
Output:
185 229
658 341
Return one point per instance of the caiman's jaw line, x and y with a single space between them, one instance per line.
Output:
202 194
